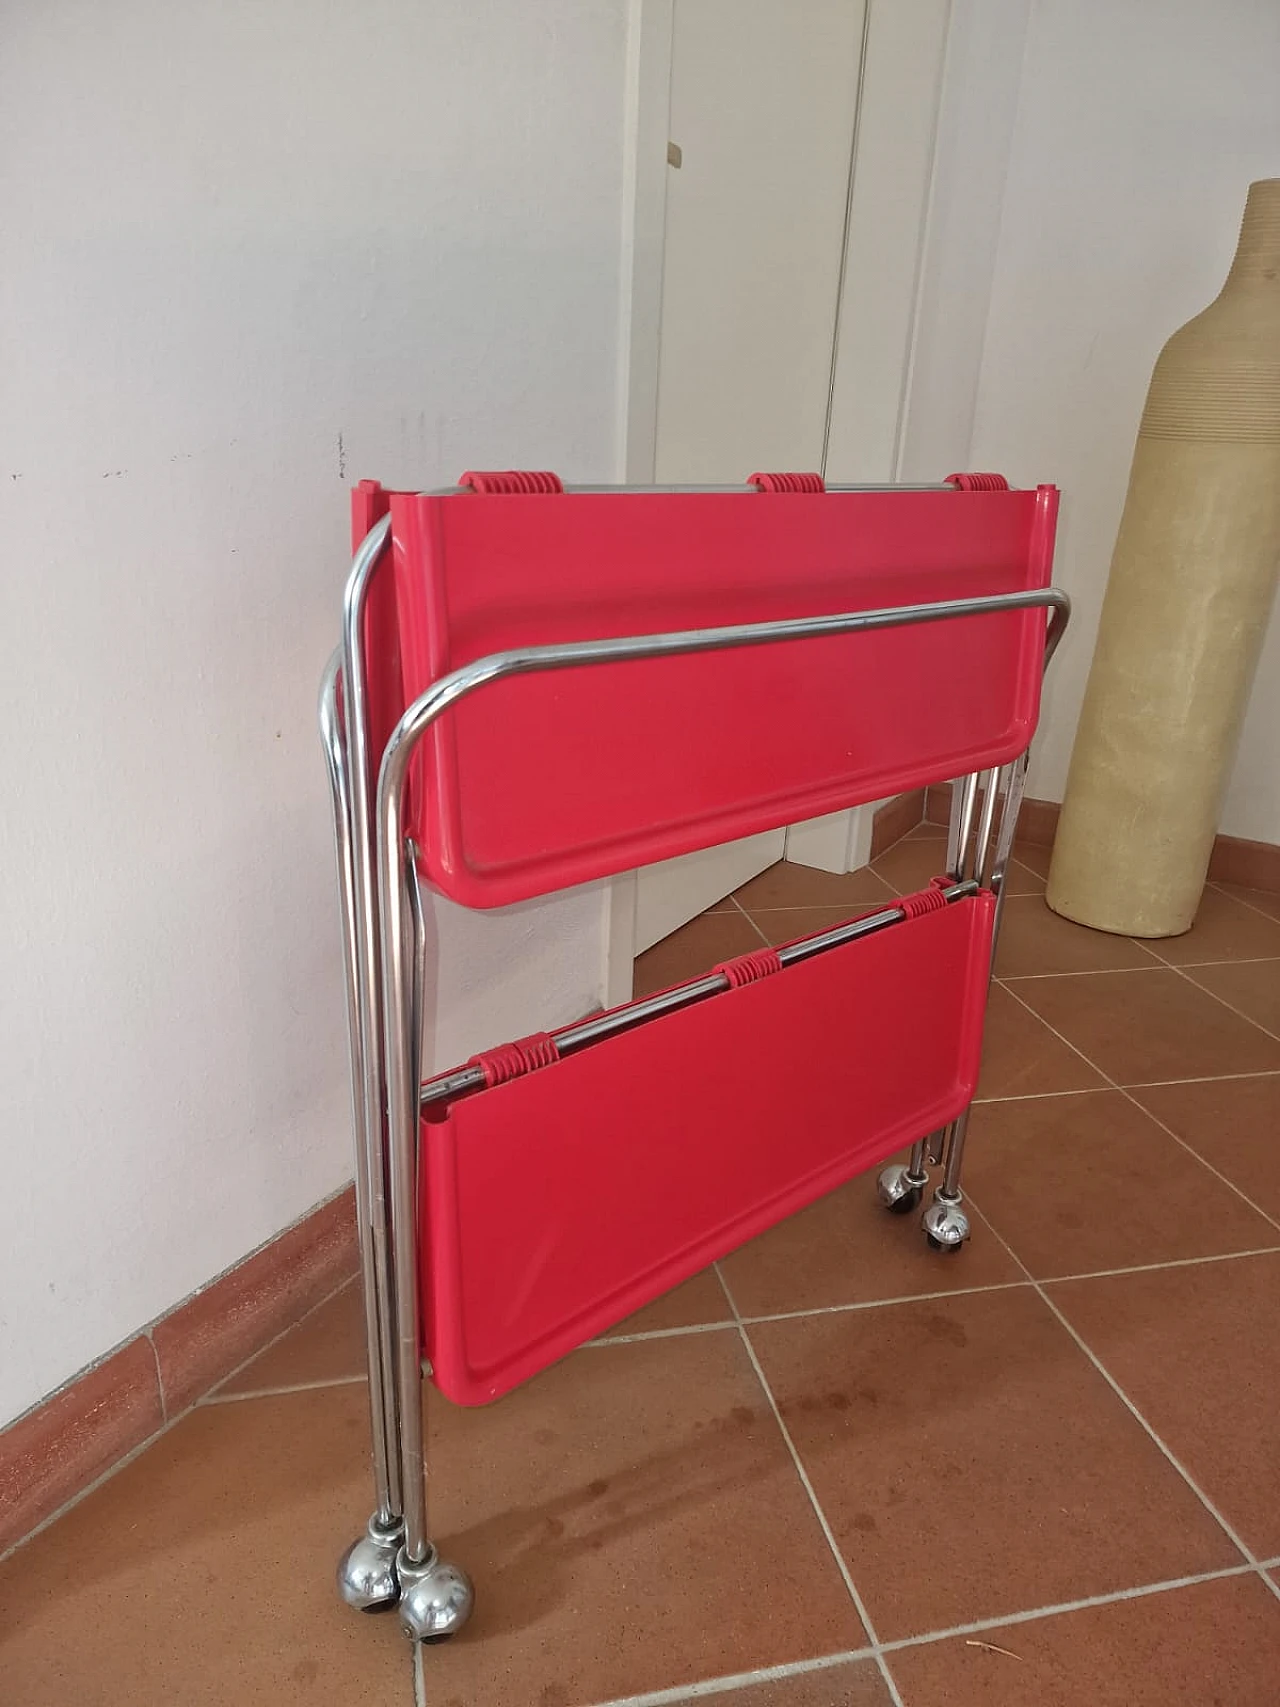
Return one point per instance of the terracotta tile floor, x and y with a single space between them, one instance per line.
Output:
837 1471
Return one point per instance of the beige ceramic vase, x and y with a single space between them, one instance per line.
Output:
1192 582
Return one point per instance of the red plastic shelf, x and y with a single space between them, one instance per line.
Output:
541 781
561 1201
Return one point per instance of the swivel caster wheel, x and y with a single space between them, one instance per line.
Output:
367 1578
937 1245
946 1226
435 1598
897 1191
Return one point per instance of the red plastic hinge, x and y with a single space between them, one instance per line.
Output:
930 900
491 481
511 1060
978 482
750 968
787 482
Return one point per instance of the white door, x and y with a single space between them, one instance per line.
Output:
748 117
764 98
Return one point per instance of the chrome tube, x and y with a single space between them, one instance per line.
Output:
362 784
957 1132
1016 775
375 1304
990 786
529 660
964 794
993 862
916 1162
402 1128
741 491
418 937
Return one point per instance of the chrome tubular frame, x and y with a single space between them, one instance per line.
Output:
402 1092
384 941
367 1576
902 1185
366 1573
945 1222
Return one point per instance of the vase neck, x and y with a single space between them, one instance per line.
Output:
1257 258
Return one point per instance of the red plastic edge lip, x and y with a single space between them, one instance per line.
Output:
977 482
787 482
525 482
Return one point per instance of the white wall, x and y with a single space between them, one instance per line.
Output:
254 251
1104 214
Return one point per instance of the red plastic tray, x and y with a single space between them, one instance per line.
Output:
556 1204
542 781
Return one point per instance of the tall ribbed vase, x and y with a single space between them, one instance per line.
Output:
1192 582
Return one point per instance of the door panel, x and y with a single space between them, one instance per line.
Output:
763 104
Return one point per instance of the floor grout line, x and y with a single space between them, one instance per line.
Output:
1128 1403
712 1686
93 1486
1127 1092
942 1294
656 1334
1251 905
1041 1096
275 1392
1153 1267
747 916
1204 1162
1165 1084
169 1422
1185 972
1157 965
1064 1608
155 1358
881 1303
824 1662
1097 1090
351 1280
859 1604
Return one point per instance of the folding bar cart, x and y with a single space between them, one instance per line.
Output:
537 687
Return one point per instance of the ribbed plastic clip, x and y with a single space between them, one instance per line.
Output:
787 482
512 1060
750 968
514 480
930 900
978 482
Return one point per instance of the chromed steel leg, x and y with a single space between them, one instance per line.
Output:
901 1185
366 1572
982 845
363 782
964 795
418 984
435 1597
945 1223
